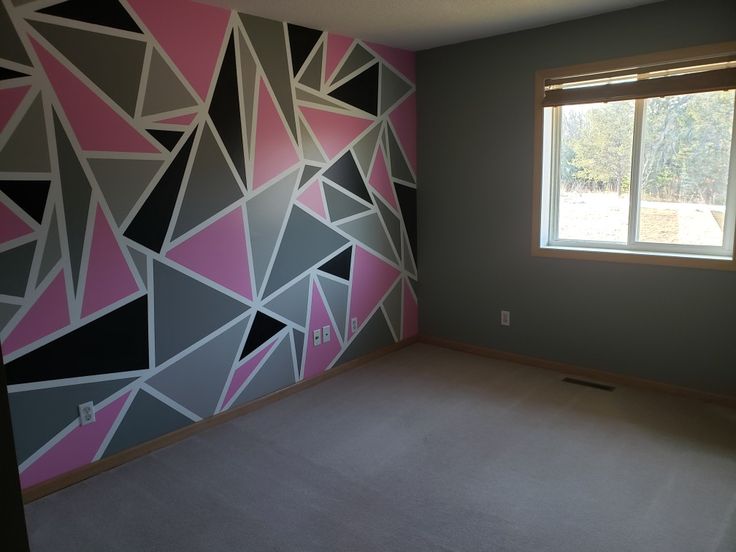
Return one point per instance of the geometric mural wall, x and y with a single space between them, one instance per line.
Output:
187 192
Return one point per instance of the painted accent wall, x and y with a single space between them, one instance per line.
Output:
476 131
186 194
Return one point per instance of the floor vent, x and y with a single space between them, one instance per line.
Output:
594 385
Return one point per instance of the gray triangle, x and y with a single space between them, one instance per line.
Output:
393 88
414 286
248 75
369 231
298 338
266 213
366 147
146 419
306 242
340 205
141 264
123 181
196 381
211 186
336 294
186 310
276 373
15 266
120 73
384 139
306 96
292 303
51 249
312 75
374 335
392 222
59 406
269 42
392 304
357 59
310 149
76 192
164 91
308 171
27 149
11 47
6 313
399 167
409 264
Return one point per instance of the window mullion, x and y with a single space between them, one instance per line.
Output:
636 153
554 222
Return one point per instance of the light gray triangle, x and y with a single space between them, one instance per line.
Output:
369 231
341 206
393 224
141 263
11 47
248 69
312 75
211 186
123 181
15 266
298 338
306 96
266 214
357 59
309 146
365 147
384 139
306 242
6 313
399 167
374 335
164 91
409 264
292 303
393 88
392 304
196 381
276 373
27 149
51 250
336 294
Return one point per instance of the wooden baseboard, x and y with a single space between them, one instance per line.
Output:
589 373
75 476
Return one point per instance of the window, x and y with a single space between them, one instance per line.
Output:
637 160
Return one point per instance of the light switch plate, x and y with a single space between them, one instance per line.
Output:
317 338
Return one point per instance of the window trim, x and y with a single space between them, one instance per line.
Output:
622 253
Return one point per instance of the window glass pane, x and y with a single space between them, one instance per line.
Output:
684 170
595 171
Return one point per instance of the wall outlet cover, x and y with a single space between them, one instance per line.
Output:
326 334
317 337
87 413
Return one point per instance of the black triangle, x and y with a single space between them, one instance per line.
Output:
344 172
108 13
339 265
408 202
29 195
6 74
361 91
301 43
264 328
307 173
167 138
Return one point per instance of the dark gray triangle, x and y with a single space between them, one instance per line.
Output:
392 222
392 304
11 48
120 73
186 310
27 149
51 249
6 313
409 264
393 88
266 214
399 167
248 69
211 188
123 181
366 147
374 335
305 243
340 205
310 150
357 59
15 266
307 173
312 75
369 231
276 373
336 294
298 338
164 91
141 264
292 303
196 381
305 96
60 407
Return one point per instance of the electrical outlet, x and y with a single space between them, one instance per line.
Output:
354 325
505 318
87 413
317 338
326 334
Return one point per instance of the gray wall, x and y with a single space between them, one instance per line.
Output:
675 325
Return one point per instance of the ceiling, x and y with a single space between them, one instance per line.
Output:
421 24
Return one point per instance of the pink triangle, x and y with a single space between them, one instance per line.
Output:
219 252
245 370
334 130
76 449
403 61
179 119
380 179
319 358
11 226
275 151
96 125
191 33
10 99
372 278
404 119
312 197
108 276
48 314
337 45
411 313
